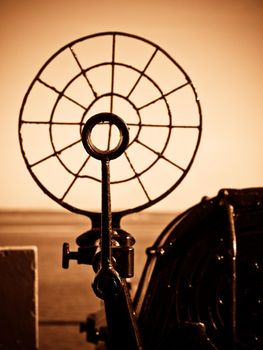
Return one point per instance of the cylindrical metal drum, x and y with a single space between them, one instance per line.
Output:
189 296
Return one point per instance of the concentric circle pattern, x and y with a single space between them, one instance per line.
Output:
118 73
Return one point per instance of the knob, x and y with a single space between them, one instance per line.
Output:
67 255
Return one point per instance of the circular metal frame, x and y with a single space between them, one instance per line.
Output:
159 155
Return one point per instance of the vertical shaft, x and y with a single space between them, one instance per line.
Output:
232 253
106 221
231 265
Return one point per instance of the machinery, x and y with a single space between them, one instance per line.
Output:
110 126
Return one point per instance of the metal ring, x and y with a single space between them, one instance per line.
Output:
95 151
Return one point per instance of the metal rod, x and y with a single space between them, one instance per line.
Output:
61 93
83 71
55 153
142 73
164 95
232 254
160 155
106 221
138 177
75 178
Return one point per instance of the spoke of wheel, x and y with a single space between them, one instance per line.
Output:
83 72
142 73
75 178
137 177
160 155
55 153
51 122
165 95
112 86
112 72
60 93
165 126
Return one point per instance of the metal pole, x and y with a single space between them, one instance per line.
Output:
106 221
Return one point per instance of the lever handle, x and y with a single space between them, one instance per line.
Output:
107 281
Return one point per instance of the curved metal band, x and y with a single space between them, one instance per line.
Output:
105 154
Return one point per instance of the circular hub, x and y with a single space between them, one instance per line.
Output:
108 153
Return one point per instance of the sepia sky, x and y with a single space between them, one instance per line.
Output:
218 43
